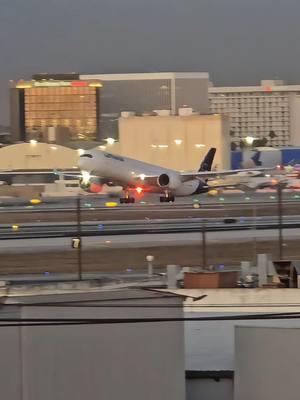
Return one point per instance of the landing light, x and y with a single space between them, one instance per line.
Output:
249 140
110 141
178 141
199 145
139 190
86 176
142 176
33 141
15 227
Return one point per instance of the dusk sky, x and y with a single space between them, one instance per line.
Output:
236 41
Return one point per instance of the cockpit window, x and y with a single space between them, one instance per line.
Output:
86 155
112 156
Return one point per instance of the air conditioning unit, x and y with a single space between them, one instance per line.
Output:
185 112
127 114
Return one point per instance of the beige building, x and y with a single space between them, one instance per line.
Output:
37 156
178 142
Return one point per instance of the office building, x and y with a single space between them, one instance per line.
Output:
271 110
55 108
145 93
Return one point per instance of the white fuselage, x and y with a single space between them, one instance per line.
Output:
130 173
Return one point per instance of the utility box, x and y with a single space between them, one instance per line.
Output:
210 280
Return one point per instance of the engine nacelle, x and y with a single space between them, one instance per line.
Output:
169 181
93 185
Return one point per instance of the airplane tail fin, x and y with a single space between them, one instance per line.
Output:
256 159
208 160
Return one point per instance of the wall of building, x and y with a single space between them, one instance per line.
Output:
112 361
267 363
209 389
152 139
294 120
192 93
258 110
37 156
145 92
17 115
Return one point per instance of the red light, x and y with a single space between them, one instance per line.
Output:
95 188
79 84
139 190
268 89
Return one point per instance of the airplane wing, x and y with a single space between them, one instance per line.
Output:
215 174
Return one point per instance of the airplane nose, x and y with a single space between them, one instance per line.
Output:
85 162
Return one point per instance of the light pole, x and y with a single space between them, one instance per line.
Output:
79 249
150 260
203 244
279 207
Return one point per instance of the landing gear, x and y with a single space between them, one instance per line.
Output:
167 198
127 199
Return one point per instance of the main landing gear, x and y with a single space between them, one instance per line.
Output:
167 198
127 199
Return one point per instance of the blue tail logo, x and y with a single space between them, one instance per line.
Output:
256 159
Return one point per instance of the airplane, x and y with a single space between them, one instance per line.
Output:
98 167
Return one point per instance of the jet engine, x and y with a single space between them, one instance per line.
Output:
169 181
92 185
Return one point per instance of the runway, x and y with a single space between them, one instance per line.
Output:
43 213
116 253
59 244
145 227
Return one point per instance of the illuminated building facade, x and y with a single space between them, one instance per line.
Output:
271 110
55 108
